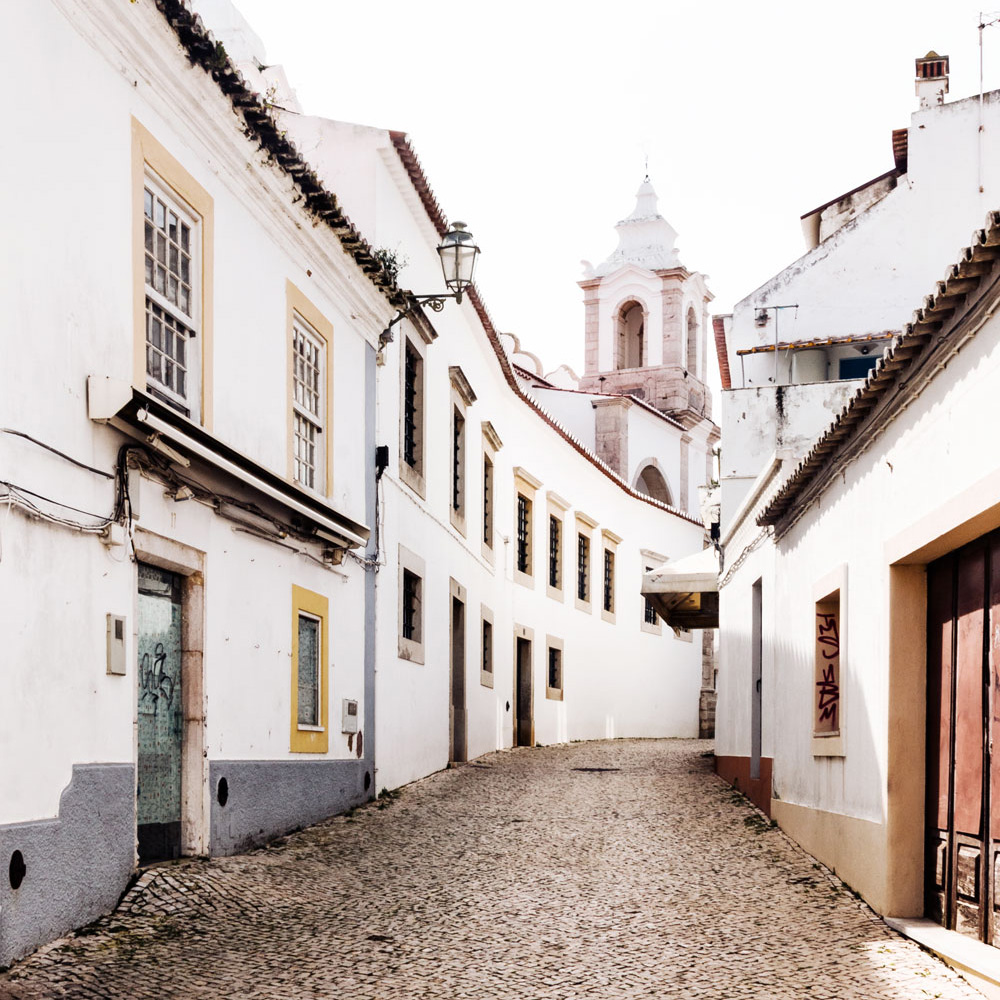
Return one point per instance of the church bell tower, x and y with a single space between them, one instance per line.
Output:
646 319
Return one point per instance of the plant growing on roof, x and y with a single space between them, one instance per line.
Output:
391 261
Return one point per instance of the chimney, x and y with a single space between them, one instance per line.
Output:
932 79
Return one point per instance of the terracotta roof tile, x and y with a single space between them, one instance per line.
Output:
203 50
721 351
260 125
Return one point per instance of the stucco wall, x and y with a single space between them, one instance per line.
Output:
925 486
68 306
870 275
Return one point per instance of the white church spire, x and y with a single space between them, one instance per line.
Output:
645 238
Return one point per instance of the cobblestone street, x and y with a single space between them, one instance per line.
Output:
599 870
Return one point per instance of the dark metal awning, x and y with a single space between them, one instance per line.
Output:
152 422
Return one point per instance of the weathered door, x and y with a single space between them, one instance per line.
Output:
161 719
523 723
459 750
962 870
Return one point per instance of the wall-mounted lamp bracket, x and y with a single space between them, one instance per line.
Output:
435 302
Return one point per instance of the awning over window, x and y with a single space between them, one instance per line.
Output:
151 421
685 593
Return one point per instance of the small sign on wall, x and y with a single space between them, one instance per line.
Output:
116 645
350 716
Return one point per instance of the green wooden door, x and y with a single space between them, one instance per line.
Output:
161 719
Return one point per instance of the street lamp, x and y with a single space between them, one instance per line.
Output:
458 253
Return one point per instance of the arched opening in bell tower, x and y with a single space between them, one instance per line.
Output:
631 336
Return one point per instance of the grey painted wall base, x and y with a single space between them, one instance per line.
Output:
77 865
267 798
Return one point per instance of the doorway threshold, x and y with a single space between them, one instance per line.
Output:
977 962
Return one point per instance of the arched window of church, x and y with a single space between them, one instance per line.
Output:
631 334
692 341
651 482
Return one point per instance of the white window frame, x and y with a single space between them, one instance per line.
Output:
301 412
190 400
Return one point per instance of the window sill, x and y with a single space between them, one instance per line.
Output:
486 678
608 616
828 746
410 649
554 694
583 606
299 485
488 554
556 593
524 579
652 629
683 635
457 521
310 729
413 479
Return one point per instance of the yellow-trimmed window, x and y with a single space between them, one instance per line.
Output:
310 409
310 732
173 237
308 404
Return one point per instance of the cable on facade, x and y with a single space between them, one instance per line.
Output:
56 451
374 561
137 456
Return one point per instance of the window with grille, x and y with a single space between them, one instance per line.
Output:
609 581
308 404
411 606
458 462
412 407
487 501
555 669
523 534
487 647
555 552
582 567
308 668
170 242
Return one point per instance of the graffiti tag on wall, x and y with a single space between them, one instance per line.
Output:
827 699
154 681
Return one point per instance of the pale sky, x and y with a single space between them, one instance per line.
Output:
533 121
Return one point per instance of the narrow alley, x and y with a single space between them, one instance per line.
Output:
612 869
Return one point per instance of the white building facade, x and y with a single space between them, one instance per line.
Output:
243 508
856 596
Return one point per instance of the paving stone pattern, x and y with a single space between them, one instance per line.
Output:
599 870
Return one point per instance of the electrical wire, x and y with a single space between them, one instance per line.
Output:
56 451
57 503
157 468
18 497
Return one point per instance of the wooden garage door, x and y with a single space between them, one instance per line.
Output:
962 871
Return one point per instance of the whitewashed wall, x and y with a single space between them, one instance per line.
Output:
618 680
870 275
67 308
